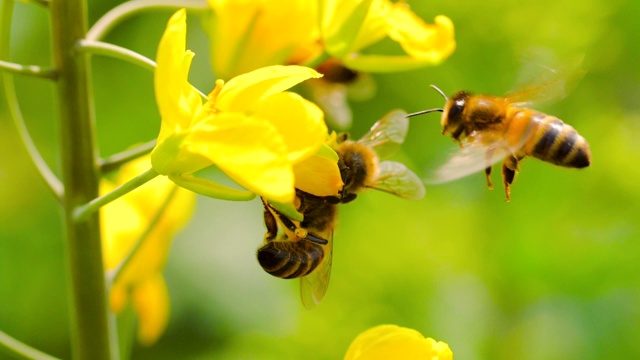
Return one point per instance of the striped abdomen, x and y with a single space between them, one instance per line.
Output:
556 142
288 260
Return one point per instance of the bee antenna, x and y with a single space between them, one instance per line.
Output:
431 110
439 92
424 112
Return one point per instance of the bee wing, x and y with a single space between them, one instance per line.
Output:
470 159
314 286
388 133
395 178
545 79
477 155
332 98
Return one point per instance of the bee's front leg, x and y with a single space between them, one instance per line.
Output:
487 174
270 223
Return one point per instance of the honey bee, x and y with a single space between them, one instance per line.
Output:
304 248
491 128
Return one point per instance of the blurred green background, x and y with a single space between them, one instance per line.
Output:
555 274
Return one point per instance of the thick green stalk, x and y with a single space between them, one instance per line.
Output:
80 176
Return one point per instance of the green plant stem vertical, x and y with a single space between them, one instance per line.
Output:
80 176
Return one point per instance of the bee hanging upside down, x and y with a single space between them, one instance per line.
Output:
490 128
304 248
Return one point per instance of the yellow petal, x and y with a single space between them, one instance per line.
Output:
393 342
177 100
431 43
118 298
244 91
318 175
122 226
151 303
342 24
128 218
374 28
250 151
299 122
247 35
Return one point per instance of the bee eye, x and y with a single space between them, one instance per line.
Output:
456 109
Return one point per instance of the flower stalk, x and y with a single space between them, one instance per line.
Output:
82 212
80 176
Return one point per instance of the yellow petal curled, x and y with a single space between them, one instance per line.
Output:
177 100
299 122
243 91
422 41
318 174
393 342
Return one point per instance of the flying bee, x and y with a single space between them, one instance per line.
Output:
491 128
304 249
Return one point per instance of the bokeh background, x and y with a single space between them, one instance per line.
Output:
555 274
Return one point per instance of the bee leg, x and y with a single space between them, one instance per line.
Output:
271 224
509 170
487 173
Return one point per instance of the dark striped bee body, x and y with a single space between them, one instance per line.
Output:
555 142
301 248
288 260
491 128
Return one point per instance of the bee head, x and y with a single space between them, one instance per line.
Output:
452 119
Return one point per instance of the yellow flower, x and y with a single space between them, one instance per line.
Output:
249 34
125 222
250 127
393 342
349 26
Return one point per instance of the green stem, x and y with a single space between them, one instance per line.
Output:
114 274
83 211
115 51
122 12
118 52
80 175
21 350
28 70
11 101
113 162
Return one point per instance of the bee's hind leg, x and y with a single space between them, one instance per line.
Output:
510 168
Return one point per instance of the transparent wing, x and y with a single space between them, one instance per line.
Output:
544 79
395 178
388 133
470 159
314 286
332 98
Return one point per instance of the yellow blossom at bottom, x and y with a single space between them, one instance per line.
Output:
386 342
155 211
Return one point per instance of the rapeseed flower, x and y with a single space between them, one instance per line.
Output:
385 342
263 137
